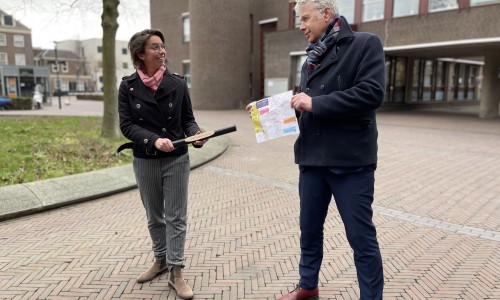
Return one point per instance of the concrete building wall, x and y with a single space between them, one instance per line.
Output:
278 47
262 10
166 16
220 48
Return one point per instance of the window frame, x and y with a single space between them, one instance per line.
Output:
11 19
18 40
484 2
364 10
17 56
4 39
404 5
186 71
186 28
441 9
6 55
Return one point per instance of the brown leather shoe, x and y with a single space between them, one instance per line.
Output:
302 294
177 282
156 269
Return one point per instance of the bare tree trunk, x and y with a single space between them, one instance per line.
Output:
110 126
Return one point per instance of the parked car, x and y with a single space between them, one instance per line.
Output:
5 103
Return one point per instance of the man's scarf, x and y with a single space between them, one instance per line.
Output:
154 81
315 51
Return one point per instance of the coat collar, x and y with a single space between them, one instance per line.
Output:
139 89
331 57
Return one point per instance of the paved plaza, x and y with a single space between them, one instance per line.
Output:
437 212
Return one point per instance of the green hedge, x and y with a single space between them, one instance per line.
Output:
22 103
95 97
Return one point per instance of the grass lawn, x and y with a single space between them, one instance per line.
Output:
41 147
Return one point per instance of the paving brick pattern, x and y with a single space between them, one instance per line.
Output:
437 212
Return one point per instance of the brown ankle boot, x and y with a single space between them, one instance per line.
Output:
156 269
177 282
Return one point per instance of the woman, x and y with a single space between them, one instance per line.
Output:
155 109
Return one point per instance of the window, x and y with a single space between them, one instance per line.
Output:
7 20
20 59
436 5
373 10
64 86
3 58
64 66
186 70
440 81
125 65
297 62
18 40
459 80
55 66
99 49
396 79
405 8
472 82
186 28
3 39
346 8
480 2
124 51
428 79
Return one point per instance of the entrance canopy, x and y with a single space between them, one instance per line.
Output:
455 49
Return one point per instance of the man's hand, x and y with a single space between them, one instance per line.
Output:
249 107
301 102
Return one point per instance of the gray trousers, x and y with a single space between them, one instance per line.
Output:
163 185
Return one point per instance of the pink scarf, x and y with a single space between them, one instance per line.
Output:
154 81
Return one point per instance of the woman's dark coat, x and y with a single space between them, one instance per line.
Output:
145 117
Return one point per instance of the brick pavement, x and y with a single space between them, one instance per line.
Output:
436 211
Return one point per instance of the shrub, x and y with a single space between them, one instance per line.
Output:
22 103
96 97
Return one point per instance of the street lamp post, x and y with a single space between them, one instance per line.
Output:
58 83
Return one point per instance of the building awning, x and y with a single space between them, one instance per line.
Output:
456 49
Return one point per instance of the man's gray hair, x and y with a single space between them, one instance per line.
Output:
319 5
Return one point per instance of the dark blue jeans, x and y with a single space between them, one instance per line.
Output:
352 189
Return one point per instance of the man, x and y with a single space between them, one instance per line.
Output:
342 84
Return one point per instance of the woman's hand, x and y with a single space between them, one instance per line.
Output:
164 145
199 143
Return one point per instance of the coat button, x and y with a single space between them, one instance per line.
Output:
169 118
138 105
164 129
307 90
318 132
170 105
145 141
322 87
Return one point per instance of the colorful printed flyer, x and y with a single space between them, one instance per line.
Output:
273 117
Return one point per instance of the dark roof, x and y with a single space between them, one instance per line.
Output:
61 54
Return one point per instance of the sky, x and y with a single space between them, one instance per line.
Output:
59 20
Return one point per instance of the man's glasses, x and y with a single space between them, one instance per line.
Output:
157 47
